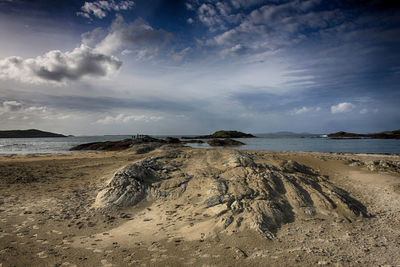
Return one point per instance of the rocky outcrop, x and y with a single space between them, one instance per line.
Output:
224 142
192 141
106 146
378 165
233 192
381 135
141 145
172 140
130 185
222 134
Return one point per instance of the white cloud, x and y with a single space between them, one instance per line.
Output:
245 3
178 56
135 36
302 110
190 20
271 26
123 118
344 107
234 50
57 66
15 111
100 8
126 52
216 16
9 106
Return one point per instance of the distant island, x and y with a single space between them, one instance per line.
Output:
381 135
222 134
31 133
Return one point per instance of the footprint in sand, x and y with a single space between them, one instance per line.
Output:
42 255
106 263
57 232
68 264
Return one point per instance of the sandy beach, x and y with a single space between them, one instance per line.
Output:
206 207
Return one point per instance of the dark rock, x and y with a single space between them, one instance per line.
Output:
172 140
224 142
145 148
117 145
106 146
193 141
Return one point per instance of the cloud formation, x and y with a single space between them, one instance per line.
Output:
57 66
344 107
305 109
100 8
138 37
123 118
12 110
10 106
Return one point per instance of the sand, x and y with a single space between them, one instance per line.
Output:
49 215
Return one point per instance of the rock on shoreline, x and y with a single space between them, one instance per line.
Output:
225 142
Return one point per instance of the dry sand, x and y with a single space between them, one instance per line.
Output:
205 207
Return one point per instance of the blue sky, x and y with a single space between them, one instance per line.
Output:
193 67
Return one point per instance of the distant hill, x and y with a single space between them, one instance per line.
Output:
287 134
222 134
31 133
381 135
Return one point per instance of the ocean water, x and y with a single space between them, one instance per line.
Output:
285 143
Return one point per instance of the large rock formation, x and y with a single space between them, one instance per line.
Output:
229 190
129 185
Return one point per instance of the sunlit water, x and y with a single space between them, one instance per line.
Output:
62 145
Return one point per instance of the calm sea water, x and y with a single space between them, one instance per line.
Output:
285 143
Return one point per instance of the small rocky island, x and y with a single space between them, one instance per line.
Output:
143 144
222 134
146 143
31 133
381 135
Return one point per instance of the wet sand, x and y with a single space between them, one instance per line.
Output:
48 217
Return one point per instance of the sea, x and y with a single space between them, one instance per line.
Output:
281 142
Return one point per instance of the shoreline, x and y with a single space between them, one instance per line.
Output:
214 148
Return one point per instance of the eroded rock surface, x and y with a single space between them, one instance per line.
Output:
230 190
378 165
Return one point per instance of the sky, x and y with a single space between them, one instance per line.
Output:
194 67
